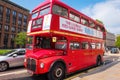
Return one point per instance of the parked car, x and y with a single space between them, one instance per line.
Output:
12 58
114 50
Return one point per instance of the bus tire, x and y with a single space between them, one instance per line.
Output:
57 72
98 61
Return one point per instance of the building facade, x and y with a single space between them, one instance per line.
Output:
13 19
110 40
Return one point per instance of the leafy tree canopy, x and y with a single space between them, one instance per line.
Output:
20 39
117 43
99 21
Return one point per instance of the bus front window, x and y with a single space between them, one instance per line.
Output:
42 42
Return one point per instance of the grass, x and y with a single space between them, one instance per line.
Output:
4 51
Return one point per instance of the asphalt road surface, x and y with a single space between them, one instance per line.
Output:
20 73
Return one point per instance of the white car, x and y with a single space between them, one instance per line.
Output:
12 58
114 50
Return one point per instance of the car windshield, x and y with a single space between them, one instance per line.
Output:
8 52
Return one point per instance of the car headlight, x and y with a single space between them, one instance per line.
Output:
41 65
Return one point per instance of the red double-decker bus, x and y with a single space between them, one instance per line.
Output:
62 40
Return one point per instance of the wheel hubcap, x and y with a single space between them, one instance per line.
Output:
3 66
58 72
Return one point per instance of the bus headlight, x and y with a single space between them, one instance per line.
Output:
41 65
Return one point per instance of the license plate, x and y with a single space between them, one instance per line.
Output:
30 72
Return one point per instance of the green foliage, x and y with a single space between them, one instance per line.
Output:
4 51
99 21
20 39
117 43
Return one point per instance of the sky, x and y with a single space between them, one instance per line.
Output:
108 11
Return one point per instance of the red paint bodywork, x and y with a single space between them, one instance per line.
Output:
74 59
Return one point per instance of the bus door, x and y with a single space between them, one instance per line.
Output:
75 55
86 51
94 52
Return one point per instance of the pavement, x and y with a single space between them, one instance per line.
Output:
112 73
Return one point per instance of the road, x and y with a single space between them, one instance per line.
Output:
21 74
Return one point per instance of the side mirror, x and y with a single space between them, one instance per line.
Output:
14 55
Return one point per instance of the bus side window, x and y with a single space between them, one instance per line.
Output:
98 45
103 29
93 46
64 12
84 21
92 24
98 28
74 17
85 45
74 45
60 10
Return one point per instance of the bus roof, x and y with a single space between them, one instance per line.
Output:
67 6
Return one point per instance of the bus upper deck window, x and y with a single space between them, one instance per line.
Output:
98 28
34 15
60 11
103 30
74 17
92 24
84 21
44 11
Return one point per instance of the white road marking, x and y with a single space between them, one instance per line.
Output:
77 78
11 73
118 59
113 59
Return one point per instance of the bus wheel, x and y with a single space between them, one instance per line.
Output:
98 61
57 72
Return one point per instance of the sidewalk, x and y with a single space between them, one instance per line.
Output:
112 73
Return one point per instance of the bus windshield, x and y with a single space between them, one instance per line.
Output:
42 42
46 43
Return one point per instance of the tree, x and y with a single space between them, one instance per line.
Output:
99 21
117 43
20 39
